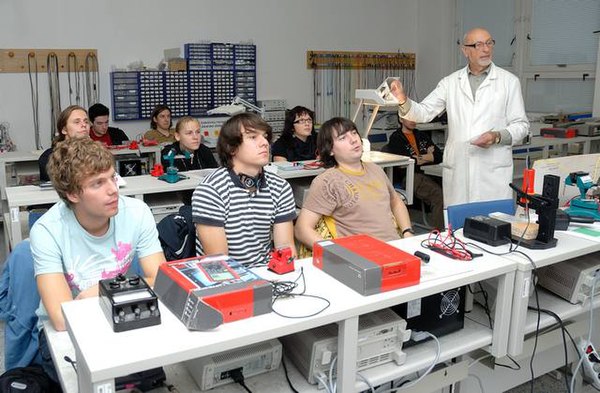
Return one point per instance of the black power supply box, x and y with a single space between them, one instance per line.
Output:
487 230
438 314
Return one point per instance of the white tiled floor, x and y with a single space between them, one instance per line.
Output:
548 384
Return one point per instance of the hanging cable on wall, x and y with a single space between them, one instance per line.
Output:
31 67
333 93
57 60
336 76
52 68
73 68
92 85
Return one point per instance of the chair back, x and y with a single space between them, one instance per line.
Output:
35 215
456 214
19 299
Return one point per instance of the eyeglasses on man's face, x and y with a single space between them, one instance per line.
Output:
479 45
307 120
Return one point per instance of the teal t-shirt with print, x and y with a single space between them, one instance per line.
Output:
59 244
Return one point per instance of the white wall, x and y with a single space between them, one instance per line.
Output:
124 31
436 44
596 108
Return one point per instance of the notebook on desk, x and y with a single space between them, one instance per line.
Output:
375 156
209 141
294 165
47 185
200 173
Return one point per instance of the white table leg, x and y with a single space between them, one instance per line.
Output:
84 379
410 181
545 152
587 145
15 226
347 353
3 181
502 314
519 312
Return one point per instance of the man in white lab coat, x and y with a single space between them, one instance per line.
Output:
486 116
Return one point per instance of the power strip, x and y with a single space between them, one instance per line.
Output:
591 363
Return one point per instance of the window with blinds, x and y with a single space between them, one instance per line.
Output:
562 32
558 95
551 45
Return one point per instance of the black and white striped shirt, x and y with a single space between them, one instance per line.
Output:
248 218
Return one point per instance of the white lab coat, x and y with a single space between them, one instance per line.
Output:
472 173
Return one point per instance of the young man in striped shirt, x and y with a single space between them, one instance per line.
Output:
240 209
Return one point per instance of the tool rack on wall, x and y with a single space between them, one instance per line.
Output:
69 60
354 60
216 73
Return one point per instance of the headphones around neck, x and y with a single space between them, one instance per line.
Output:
251 182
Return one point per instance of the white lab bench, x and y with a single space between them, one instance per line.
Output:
30 158
94 342
568 246
17 157
137 186
562 144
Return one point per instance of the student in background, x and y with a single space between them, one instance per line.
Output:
100 131
92 233
409 141
160 125
71 123
298 139
188 140
241 209
357 195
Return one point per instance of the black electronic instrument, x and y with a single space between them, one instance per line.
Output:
128 303
545 206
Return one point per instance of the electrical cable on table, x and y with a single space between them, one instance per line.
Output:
284 290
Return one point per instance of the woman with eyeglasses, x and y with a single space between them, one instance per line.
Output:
298 139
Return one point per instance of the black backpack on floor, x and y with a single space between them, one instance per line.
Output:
31 379
177 234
